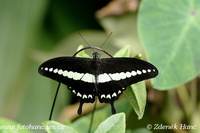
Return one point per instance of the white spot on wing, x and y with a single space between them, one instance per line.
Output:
77 76
149 70
55 70
133 73
74 91
70 74
60 72
46 68
84 96
89 96
78 94
128 74
115 76
122 75
103 96
119 92
139 72
144 71
108 96
119 76
65 73
88 78
50 69
102 78
114 95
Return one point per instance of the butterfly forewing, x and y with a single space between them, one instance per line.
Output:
115 74
74 72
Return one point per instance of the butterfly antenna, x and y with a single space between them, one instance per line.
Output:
92 116
84 40
54 101
106 39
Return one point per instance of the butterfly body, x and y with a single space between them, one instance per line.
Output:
105 78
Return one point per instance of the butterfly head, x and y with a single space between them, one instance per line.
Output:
96 55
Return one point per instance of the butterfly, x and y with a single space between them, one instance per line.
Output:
104 78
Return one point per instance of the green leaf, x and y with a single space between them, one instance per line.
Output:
124 52
8 126
136 94
82 53
55 127
114 124
138 56
82 124
169 31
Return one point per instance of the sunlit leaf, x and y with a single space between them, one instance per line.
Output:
169 31
124 52
137 94
82 53
113 124
55 127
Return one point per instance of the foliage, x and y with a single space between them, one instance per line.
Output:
171 29
164 32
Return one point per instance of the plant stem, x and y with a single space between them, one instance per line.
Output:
185 99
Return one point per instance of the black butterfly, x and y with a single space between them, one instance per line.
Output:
104 78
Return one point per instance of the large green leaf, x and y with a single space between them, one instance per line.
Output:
169 31
124 52
55 127
114 124
137 94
